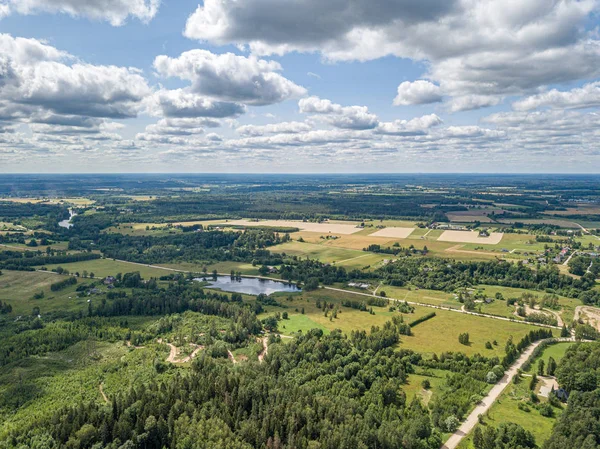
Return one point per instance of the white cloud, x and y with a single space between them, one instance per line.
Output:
228 77
417 92
472 48
114 11
276 128
587 96
38 81
470 102
345 117
414 127
180 103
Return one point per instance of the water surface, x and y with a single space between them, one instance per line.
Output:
249 286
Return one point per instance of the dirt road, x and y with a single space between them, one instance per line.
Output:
591 313
265 349
101 388
472 420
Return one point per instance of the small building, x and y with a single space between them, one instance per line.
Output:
561 394
109 280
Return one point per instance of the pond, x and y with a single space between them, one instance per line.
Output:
67 223
249 286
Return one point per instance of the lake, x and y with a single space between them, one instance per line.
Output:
67 223
249 286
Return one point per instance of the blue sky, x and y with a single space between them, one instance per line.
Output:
299 86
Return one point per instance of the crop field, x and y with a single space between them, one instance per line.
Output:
397 233
328 228
471 237
328 253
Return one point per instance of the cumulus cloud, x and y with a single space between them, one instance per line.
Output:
472 48
417 92
470 102
275 128
180 103
115 12
228 77
587 96
38 81
344 117
414 127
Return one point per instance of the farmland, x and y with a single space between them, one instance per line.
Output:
395 302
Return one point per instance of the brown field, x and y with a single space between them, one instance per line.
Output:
326 228
471 237
398 233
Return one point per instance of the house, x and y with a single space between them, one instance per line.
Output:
561 394
273 270
109 280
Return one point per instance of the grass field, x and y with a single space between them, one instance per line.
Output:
440 334
109 267
413 386
436 335
326 253
18 287
347 320
556 351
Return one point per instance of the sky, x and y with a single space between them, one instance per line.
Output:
300 86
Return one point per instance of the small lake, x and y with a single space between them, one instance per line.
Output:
249 286
67 223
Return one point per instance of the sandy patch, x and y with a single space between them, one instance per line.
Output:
398 233
589 315
470 237
325 228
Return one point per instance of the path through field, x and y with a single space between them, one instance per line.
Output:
485 404
566 262
265 349
101 388
585 231
231 357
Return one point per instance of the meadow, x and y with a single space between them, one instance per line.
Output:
436 335
18 288
109 267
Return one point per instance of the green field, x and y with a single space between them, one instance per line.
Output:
18 287
437 335
413 386
556 351
349 258
109 267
